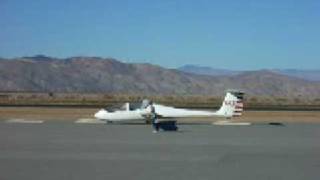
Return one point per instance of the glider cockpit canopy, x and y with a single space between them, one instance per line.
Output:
132 106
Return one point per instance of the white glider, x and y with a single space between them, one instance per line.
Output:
232 106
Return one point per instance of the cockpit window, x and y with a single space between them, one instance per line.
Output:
145 103
122 107
115 107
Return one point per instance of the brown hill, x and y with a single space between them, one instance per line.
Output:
93 74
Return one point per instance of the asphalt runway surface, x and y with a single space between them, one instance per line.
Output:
101 151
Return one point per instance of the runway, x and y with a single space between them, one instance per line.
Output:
65 150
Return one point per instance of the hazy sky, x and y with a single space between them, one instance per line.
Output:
234 34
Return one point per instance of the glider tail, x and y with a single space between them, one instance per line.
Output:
232 105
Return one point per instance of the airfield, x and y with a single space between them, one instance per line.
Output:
65 143
71 114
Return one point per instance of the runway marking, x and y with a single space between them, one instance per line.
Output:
24 121
90 121
229 123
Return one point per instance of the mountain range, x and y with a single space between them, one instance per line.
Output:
311 75
107 75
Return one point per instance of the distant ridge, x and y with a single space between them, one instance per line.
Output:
39 57
311 75
204 70
107 75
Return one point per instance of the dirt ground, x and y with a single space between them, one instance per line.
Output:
281 116
46 113
71 114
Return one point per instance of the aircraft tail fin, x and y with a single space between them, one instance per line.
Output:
232 105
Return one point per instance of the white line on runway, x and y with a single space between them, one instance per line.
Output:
24 121
89 121
228 123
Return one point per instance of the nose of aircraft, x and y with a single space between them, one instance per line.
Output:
96 115
99 114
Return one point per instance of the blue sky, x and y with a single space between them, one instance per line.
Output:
231 34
